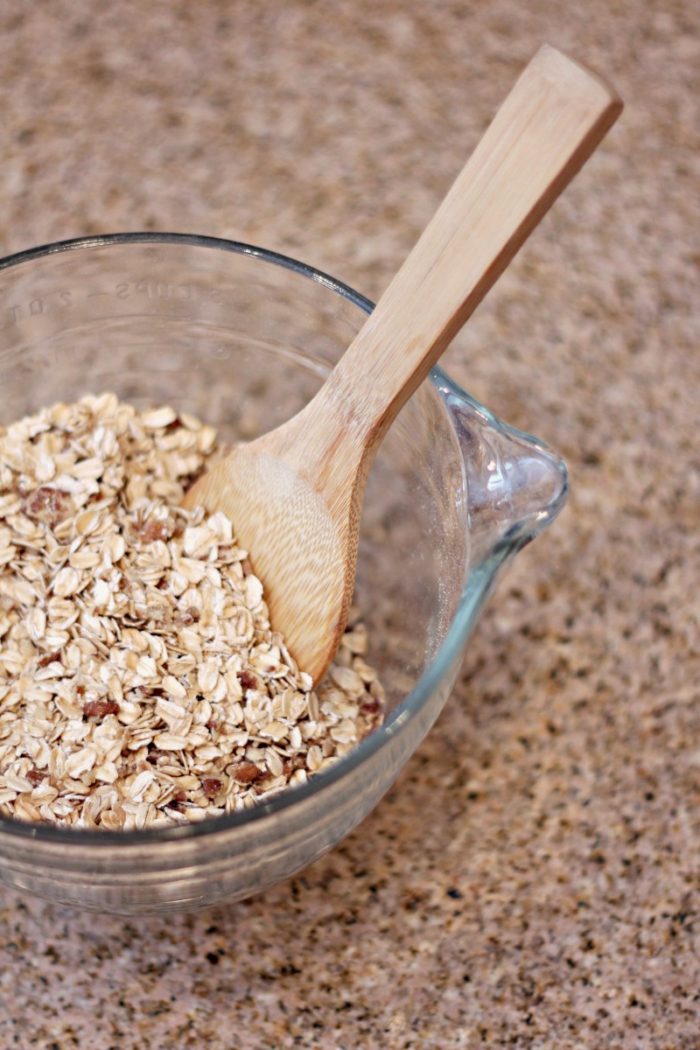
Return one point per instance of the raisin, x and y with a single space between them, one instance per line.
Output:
246 773
370 707
211 787
48 505
100 708
49 659
247 680
151 531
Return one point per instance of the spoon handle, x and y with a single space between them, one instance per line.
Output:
549 124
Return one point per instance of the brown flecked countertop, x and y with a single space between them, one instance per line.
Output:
532 879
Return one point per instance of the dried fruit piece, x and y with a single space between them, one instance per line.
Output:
48 505
153 530
100 708
49 658
246 773
211 786
248 680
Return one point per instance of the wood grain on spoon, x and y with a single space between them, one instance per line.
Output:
295 494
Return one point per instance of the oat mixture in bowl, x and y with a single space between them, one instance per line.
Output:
141 682
242 338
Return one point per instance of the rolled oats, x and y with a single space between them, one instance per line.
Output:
141 682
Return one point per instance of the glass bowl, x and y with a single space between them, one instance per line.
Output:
243 338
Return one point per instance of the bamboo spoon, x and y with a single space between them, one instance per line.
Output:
295 494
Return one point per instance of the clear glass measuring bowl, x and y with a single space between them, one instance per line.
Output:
243 338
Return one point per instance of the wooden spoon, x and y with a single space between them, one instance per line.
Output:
295 494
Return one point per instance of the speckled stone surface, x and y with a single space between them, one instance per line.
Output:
532 880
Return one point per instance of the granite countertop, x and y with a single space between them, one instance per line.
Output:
532 879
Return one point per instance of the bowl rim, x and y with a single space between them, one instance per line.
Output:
475 588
